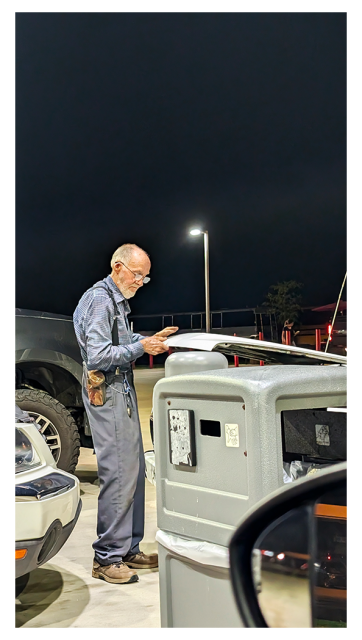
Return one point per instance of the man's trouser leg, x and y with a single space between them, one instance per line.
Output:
121 470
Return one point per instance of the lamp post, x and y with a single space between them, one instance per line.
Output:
198 232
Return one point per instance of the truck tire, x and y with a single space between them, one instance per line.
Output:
56 424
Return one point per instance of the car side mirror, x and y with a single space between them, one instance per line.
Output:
288 557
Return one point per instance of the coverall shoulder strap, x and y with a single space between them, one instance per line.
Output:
103 286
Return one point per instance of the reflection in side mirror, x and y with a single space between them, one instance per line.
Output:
284 585
288 558
329 582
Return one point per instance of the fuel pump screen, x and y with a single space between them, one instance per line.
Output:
314 433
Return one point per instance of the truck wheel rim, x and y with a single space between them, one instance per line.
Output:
50 433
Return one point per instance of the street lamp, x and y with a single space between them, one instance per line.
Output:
198 232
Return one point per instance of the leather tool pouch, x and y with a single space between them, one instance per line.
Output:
96 387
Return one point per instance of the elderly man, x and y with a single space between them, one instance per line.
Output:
108 348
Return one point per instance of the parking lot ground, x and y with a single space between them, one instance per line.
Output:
62 593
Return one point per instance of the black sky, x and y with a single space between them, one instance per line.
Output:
132 127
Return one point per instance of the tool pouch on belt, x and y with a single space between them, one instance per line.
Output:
96 387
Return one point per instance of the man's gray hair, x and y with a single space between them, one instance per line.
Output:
124 253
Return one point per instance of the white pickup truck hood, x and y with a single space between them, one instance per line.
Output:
269 352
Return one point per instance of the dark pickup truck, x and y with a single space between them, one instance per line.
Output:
48 382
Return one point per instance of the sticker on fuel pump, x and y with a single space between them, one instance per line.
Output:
232 435
182 437
322 435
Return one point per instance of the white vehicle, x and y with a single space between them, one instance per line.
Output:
47 500
269 352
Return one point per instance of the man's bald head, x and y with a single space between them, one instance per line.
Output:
125 252
128 262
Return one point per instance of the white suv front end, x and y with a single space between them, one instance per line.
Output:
47 501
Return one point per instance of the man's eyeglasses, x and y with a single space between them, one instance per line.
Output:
138 276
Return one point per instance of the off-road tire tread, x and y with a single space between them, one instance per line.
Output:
43 398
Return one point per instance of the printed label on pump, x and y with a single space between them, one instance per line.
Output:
232 435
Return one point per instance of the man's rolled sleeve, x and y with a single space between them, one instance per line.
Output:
136 337
137 348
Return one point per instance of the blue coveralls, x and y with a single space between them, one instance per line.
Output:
116 434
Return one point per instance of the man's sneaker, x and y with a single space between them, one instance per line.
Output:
117 573
141 561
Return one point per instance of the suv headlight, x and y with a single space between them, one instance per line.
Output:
26 456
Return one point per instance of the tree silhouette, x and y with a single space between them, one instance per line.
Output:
284 300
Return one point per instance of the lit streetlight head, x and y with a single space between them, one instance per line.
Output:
195 232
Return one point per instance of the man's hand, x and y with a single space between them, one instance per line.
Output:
166 332
154 345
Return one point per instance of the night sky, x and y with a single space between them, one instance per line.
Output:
134 127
